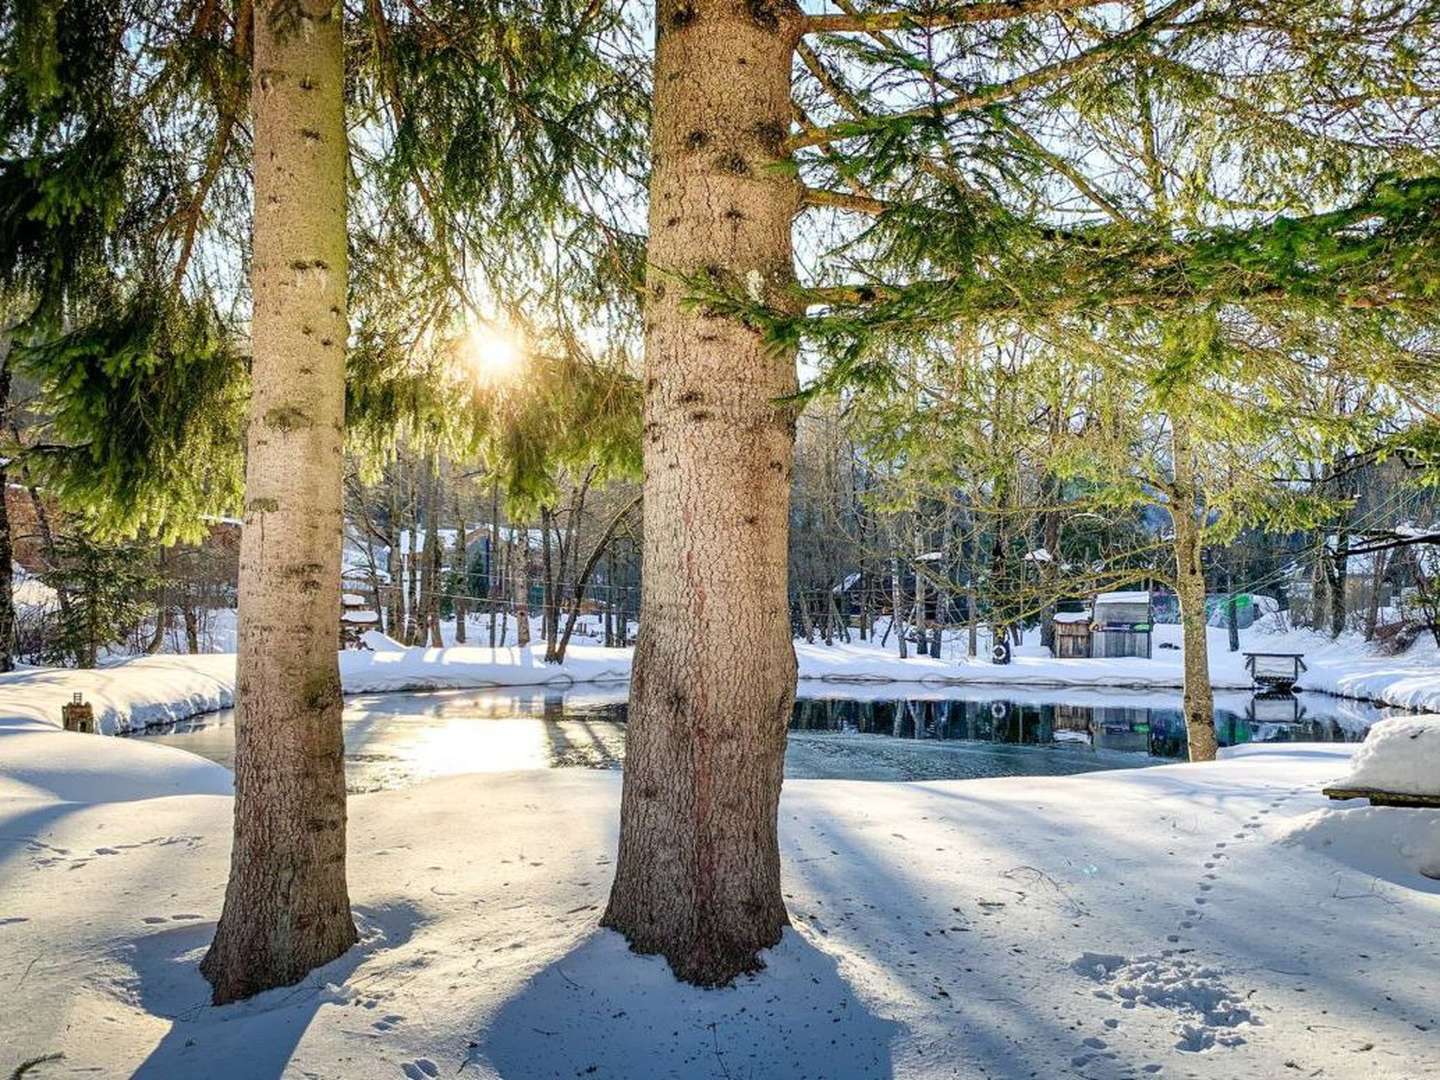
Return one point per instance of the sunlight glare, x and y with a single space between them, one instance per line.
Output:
493 353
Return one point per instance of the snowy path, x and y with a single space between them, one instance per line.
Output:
1148 922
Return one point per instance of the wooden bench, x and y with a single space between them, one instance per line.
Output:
1383 798
1275 669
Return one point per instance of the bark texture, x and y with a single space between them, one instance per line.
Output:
286 906
1198 701
7 585
698 874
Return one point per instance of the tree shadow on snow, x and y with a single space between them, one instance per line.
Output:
254 1038
606 1012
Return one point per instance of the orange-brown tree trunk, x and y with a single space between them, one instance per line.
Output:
698 875
286 906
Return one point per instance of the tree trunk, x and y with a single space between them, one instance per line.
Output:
1337 571
493 591
520 570
286 907
1198 703
897 599
1377 582
1232 613
582 578
7 574
549 600
192 628
698 874
460 574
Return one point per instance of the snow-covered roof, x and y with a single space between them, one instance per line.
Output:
1072 616
352 598
365 617
1123 598
930 556
850 579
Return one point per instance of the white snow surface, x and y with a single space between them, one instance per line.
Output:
1402 755
1188 920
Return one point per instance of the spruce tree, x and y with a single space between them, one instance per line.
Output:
287 908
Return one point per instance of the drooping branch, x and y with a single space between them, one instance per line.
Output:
232 98
997 92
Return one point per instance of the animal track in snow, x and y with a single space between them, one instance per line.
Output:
1208 1013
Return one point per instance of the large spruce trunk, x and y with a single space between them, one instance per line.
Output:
286 906
1198 701
698 875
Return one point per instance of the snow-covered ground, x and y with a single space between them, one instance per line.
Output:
1212 921
141 691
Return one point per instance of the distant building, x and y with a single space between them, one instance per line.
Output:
1117 624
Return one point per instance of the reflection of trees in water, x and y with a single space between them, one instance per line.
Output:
1144 729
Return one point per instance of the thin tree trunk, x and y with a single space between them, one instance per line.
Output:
520 571
549 600
493 591
1232 615
897 594
7 575
583 577
698 874
460 573
1198 702
52 554
286 907
192 627
1377 582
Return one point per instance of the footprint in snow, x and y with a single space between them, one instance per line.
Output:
420 1069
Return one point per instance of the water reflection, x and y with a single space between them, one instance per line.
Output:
1144 726
838 731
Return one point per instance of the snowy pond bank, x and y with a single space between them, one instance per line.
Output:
890 731
150 690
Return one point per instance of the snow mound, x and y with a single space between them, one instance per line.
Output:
1401 754
67 767
1387 842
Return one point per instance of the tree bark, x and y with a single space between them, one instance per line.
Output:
1377 582
460 574
520 570
1198 702
286 907
698 874
7 574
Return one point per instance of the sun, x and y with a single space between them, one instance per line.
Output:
493 353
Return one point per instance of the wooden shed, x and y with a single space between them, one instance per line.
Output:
1072 635
1121 623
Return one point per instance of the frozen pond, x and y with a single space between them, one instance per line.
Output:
890 732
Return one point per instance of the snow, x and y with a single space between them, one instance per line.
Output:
1402 755
31 593
1072 616
1123 598
1182 920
